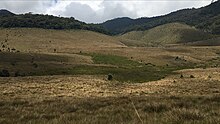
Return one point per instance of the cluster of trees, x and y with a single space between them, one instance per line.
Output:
47 22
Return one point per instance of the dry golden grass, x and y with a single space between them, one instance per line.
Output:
204 82
41 40
165 55
92 99
171 33
76 41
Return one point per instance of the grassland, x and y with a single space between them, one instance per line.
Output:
92 99
61 77
166 34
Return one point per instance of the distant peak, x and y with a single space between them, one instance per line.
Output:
4 12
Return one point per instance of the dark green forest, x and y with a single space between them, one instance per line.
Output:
10 20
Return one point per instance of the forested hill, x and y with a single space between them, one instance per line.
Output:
11 20
206 18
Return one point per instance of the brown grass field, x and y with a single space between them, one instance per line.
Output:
61 77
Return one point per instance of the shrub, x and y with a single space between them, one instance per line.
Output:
13 63
110 77
17 74
181 76
191 76
35 65
177 58
32 60
4 73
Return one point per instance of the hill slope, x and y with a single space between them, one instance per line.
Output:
206 18
167 34
44 40
117 24
4 12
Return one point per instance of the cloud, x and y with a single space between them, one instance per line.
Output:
90 12
116 9
36 6
80 11
101 10
104 10
155 8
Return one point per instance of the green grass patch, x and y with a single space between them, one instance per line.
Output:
122 69
132 75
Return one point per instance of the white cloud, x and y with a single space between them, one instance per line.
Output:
101 10
24 6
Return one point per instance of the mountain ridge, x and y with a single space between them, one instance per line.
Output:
200 18
4 12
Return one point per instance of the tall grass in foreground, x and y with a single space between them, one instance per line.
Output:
152 110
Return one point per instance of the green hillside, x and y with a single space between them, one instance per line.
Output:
166 34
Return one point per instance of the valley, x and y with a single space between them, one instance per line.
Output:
62 76
149 70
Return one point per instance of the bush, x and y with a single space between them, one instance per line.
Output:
35 65
177 58
4 73
181 76
110 77
191 76
13 63
17 74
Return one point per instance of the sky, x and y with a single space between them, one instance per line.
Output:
97 11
